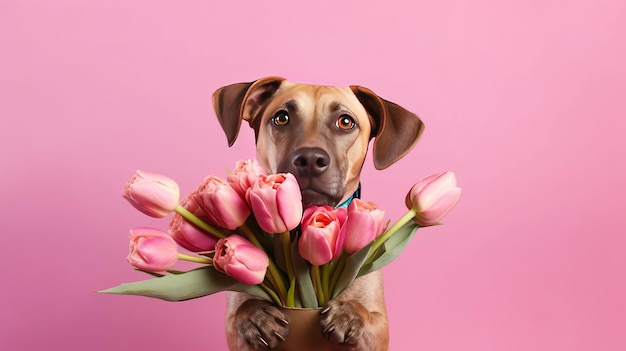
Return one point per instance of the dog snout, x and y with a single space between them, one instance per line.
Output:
310 162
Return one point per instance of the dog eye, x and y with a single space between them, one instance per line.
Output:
281 118
345 122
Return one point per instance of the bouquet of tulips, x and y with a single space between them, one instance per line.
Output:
250 233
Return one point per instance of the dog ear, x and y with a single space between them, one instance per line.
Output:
395 129
240 101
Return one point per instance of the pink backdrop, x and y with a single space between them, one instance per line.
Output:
524 100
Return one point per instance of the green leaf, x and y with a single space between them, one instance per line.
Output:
306 291
174 271
154 274
266 240
278 253
363 262
185 286
351 269
391 249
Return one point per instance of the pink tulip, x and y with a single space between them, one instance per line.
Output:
320 230
276 202
433 197
151 249
244 175
221 203
240 259
188 235
153 194
363 225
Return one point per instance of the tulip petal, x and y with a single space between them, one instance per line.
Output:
315 247
417 188
441 207
244 175
221 203
320 233
151 249
433 197
262 213
342 216
341 239
238 258
276 202
240 272
253 257
158 178
432 191
153 194
360 230
363 224
289 201
197 237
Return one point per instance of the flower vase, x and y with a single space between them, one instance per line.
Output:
305 332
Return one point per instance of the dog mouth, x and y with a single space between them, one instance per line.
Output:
314 197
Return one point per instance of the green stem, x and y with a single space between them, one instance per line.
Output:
339 266
317 281
286 238
326 280
271 293
196 259
272 281
273 269
198 222
291 294
389 232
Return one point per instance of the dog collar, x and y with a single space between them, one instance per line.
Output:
356 195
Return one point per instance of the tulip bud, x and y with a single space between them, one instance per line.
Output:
320 231
153 194
221 203
244 175
151 250
364 224
433 197
240 259
276 202
188 235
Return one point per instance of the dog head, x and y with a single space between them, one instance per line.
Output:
318 133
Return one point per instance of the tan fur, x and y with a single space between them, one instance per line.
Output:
314 101
357 318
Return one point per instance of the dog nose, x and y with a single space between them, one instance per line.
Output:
310 162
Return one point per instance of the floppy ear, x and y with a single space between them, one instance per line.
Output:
395 129
240 101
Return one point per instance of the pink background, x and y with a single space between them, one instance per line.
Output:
524 100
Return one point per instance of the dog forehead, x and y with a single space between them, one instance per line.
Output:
320 98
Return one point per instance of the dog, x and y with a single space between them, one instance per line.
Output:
321 135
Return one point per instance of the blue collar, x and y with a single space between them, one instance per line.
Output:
356 195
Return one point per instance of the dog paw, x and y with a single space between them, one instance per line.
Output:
343 321
261 324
